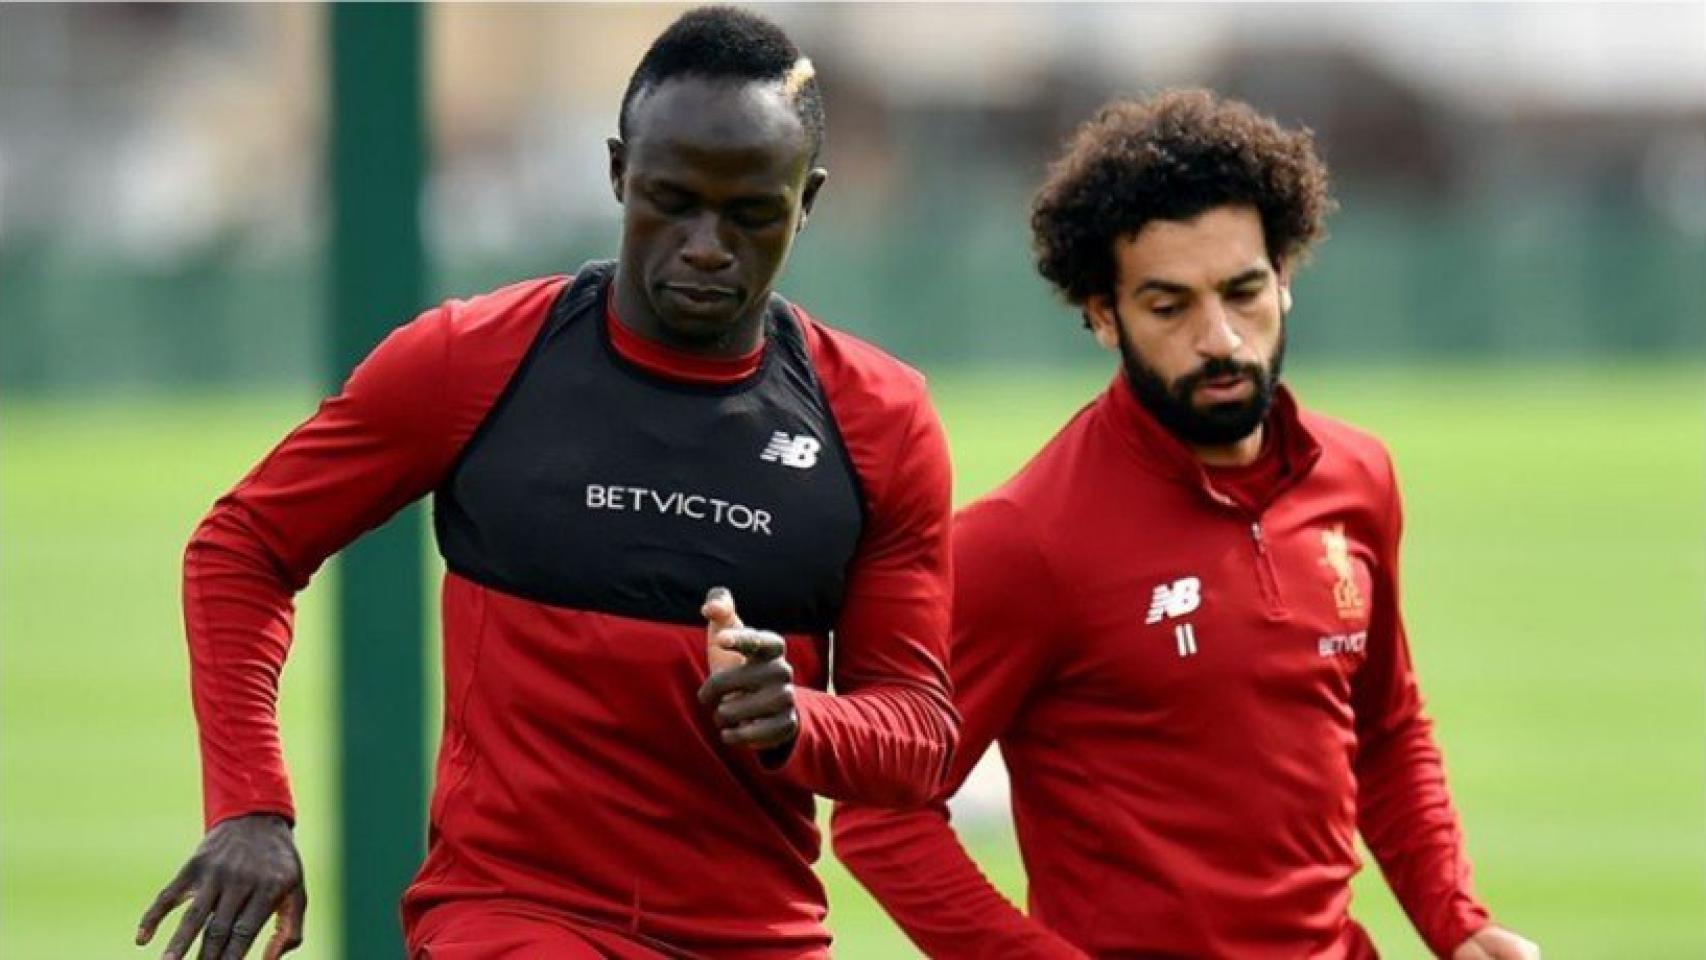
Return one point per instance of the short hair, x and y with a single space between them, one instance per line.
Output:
727 43
1172 157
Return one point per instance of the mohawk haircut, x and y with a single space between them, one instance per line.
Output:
1172 157
727 43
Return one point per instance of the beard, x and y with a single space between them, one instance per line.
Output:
1217 424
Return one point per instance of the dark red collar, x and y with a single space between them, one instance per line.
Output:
1169 456
672 364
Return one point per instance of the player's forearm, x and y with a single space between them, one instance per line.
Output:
1408 822
915 866
238 613
886 744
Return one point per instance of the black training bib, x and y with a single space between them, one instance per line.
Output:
595 485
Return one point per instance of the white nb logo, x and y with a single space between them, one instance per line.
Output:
1175 599
798 452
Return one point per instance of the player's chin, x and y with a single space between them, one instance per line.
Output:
1225 412
701 326
701 312
1228 422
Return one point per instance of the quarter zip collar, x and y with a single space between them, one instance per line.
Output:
1162 453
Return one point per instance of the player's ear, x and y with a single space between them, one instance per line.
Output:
1100 317
808 196
618 165
1283 270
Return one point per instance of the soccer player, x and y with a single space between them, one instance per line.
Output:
1181 618
604 450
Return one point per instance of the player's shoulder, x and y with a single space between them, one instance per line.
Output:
854 371
1341 434
1046 493
997 516
517 308
883 414
1349 447
1075 458
465 345
1001 538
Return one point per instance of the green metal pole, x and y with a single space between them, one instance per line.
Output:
376 271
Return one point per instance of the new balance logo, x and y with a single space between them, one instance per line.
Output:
1185 637
798 452
1175 599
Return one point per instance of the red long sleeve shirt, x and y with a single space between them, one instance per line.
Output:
1199 702
589 491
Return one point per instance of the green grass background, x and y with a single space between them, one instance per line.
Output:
1555 566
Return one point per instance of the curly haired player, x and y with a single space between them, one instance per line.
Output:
1181 618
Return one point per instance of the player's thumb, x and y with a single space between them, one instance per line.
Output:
719 609
719 613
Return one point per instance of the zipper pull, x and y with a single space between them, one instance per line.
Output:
1256 535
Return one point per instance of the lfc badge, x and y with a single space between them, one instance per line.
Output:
1337 556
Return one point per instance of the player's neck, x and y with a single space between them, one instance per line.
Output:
1240 453
635 313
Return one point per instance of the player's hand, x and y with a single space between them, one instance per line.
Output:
751 684
245 870
1496 943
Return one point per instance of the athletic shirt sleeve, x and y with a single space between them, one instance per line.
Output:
886 733
1404 810
1005 617
382 442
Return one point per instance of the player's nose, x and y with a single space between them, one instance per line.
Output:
1218 337
703 249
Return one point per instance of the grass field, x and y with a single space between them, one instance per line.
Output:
1556 581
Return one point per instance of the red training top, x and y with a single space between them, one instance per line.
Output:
587 494
1199 704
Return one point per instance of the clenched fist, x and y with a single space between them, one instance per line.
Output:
751 684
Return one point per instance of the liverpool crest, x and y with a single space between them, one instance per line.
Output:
1337 556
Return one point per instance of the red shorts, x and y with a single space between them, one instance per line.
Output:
495 930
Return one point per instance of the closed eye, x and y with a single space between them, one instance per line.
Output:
757 216
1246 286
669 200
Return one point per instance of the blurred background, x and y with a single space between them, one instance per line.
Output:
1513 295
